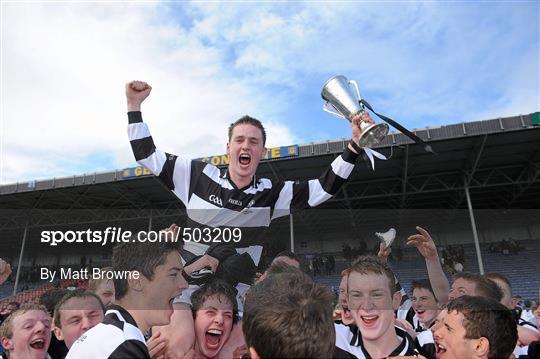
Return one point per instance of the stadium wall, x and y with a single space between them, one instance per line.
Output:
462 234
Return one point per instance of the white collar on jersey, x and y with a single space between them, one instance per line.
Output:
227 176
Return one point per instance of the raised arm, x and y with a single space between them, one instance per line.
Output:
173 171
297 195
426 246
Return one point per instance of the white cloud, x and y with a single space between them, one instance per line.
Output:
421 62
64 67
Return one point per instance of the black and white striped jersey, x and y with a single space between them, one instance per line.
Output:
349 343
425 344
117 337
528 325
213 201
412 318
406 303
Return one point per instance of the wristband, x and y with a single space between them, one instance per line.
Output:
355 147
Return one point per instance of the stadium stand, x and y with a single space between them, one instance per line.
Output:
497 160
523 278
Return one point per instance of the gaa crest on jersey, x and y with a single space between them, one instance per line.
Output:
215 200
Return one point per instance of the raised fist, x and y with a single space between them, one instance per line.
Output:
136 93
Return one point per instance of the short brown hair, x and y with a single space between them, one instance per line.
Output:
93 283
289 316
485 317
143 257
367 264
484 287
78 293
51 297
288 254
6 329
250 121
425 284
345 272
499 276
216 287
277 268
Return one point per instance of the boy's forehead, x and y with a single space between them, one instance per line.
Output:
464 283
367 280
31 314
172 260
422 291
454 319
106 284
246 130
218 301
441 315
81 303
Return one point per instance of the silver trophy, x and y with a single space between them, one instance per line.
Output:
343 102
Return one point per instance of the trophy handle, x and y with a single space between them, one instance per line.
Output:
353 82
328 107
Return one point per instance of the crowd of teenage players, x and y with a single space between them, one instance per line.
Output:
284 314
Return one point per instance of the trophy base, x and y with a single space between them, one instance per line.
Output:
373 134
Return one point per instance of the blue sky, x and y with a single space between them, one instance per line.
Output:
64 66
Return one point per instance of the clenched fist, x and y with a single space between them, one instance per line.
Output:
136 93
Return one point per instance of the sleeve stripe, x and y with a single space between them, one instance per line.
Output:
143 148
341 167
300 195
317 194
167 172
134 116
349 156
332 183
154 162
283 203
137 131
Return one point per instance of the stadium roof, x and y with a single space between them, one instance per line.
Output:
498 160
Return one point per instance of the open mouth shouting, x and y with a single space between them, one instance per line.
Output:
213 338
369 321
440 349
38 344
244 159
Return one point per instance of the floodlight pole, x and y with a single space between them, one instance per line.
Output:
292 231
150 221
19 265
475 233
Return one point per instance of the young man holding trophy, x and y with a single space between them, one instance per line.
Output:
235 199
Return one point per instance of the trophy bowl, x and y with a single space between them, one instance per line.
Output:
343 101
